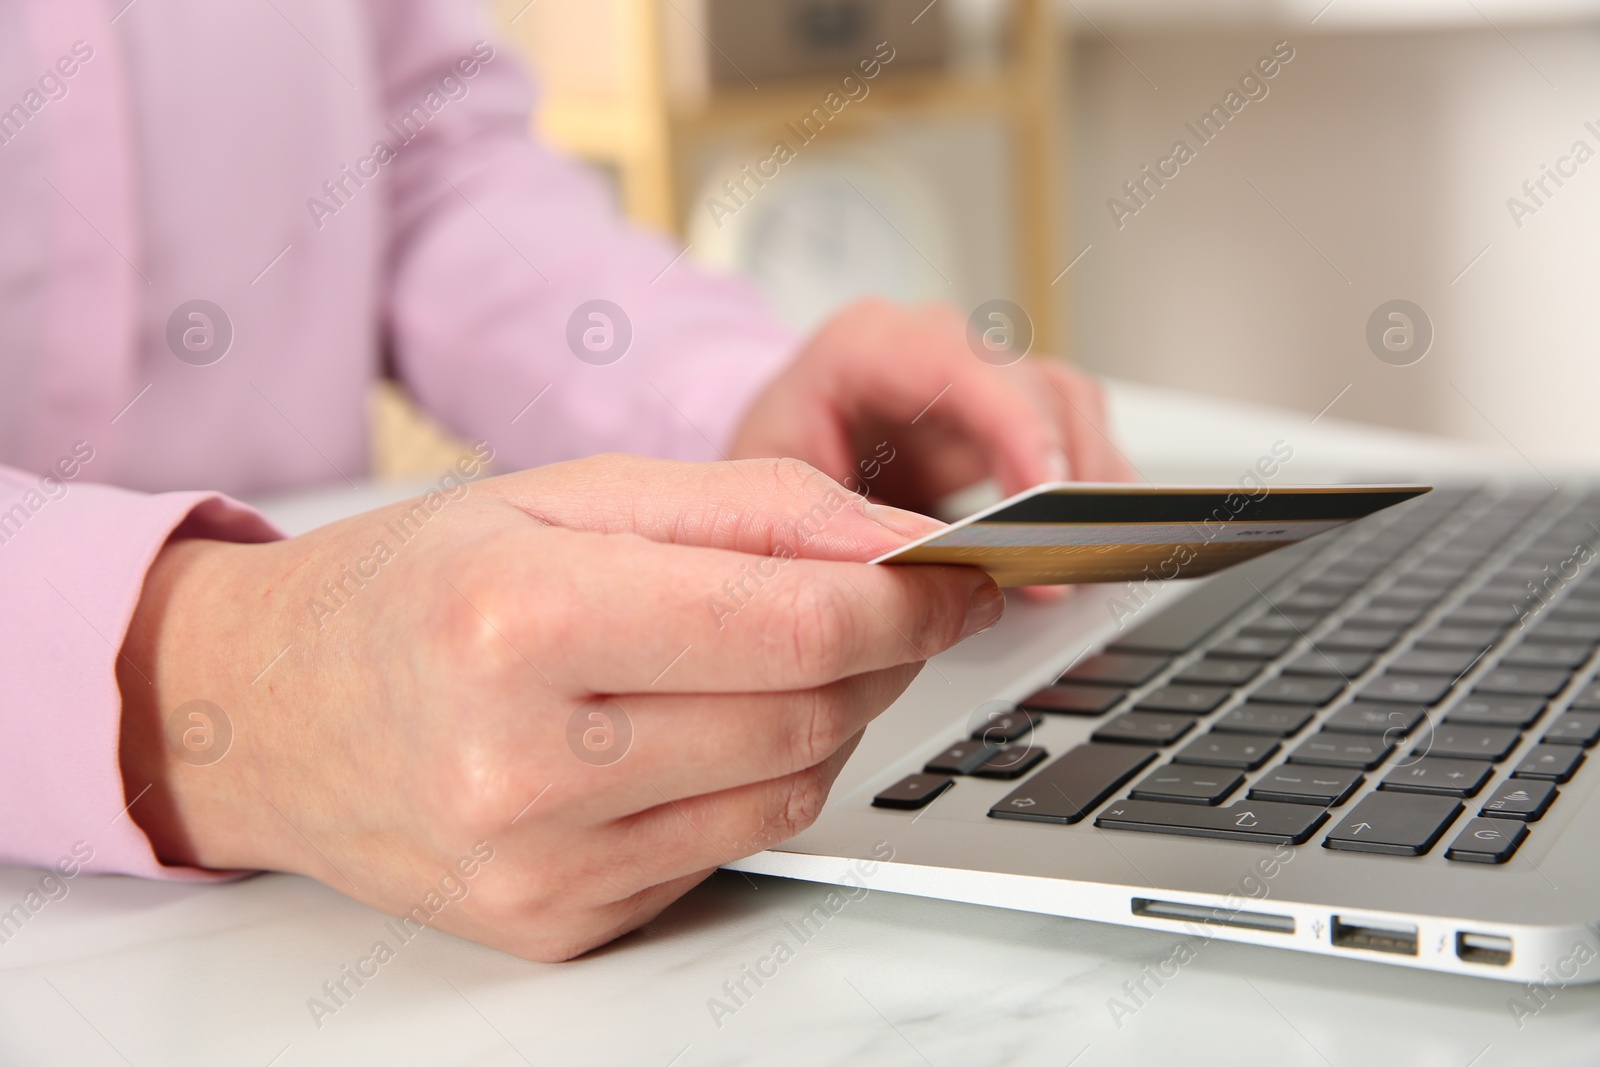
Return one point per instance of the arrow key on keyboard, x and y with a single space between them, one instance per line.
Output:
1394 824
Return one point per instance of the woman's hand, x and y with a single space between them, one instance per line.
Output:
880 372
608 677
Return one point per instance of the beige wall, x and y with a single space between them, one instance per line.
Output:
1392 156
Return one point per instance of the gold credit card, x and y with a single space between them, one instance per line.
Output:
1082 532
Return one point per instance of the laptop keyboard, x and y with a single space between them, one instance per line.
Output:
1443 650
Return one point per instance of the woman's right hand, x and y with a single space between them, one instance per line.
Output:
605 675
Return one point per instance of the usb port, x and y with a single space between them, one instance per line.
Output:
1488 949
1375 935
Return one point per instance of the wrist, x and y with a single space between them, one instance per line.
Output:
182 709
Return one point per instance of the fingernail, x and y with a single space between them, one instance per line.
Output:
988 604
1055 463
904 523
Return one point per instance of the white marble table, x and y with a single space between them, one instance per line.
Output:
124 971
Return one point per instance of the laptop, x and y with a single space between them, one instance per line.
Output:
1375 744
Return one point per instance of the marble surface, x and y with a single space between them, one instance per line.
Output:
123 971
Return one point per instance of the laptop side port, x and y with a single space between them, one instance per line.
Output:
1217 916
1375 935
1489 949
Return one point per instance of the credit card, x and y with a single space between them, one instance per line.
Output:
1072 532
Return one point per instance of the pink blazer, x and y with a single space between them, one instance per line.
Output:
219 224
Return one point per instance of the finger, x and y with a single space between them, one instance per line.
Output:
994 406
711 829
686 744
752 506
619 614
938 378
1081 408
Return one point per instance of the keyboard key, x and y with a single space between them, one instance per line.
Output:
1220 672
1011 762
1394 720
1588 698
1005 727
1574 728
1276 720
1244 751
1181 626
960 758
1074 784
1073 700
1575 611
1331 581
1406 688
913 791
1188 785
1409 594
1473 638
1124 669
1391 616
1492 743
1290 784
1343 665
1277 624
1550 763
1493 596
1437 574
1311 602
1440 777
1145 728
1342 750
1522 682
1193 699
1565 657
1358 639
1312 692
1571 630
1476 710
1487 841
1501 615
1253 647
1451 661
1520 799
1244 820
1394 824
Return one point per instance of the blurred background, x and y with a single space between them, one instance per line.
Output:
1384 158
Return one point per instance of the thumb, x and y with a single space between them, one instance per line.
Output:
758 506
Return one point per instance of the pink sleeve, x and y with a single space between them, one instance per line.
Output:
498 242
73 558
